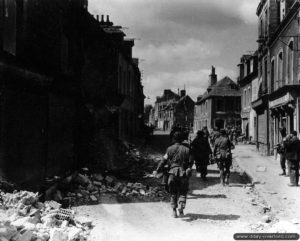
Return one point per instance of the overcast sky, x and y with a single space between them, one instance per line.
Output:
179 40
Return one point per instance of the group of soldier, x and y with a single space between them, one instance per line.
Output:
177 163
289 150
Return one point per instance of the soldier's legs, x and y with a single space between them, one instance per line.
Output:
198 167
203 171
183 190
173 190
293 171
228 164
222 172
282 164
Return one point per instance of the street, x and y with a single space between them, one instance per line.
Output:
213 212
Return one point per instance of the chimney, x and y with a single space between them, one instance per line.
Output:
182 93
97 17
212 77
107 19
102 18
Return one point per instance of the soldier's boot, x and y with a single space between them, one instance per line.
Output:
180 209
283 173
174 213
227 180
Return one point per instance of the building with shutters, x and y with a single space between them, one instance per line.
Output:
220 106
247 76
276 105
284 74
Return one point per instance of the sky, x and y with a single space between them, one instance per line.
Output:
177 41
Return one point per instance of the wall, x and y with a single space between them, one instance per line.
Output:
23 134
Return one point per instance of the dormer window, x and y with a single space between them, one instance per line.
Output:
282 10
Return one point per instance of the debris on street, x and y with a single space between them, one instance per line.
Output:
49 216
31 220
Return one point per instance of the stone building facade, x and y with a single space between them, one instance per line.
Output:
276 103
284 72
219 106
59 74
247 75
174 109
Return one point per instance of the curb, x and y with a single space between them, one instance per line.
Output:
244 169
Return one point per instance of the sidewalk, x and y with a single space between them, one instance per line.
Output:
273 188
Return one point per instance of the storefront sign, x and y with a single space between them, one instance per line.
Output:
281 101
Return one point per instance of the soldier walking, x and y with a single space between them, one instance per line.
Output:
292 146
179 163
200 152
281 152
222 153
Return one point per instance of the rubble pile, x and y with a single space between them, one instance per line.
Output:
31 220
87 189
138 164
134 182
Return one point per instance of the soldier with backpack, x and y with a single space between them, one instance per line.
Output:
179 162
222 153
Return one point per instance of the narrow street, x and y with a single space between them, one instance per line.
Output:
213 212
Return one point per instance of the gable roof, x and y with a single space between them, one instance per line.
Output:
182 101
224 87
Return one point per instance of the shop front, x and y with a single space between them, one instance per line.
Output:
262 125
284 110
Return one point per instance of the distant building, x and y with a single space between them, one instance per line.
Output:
247 75
220 105
174 109
160 105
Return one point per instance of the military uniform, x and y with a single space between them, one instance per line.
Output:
180 163
222 153
201 151
292 147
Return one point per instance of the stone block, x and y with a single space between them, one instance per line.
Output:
93 198
58 235
98 177
109 179
81 179
74 233
8 232
27 236
98 184
83 220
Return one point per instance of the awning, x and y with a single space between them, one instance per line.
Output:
283 100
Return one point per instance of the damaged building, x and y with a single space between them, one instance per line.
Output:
69 88
171 109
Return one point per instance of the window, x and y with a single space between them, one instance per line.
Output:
251 65
220 105
206 106
238 105
266 23
249 96
279 70
282 10
265 73
261 27
244 98
290 57
272 75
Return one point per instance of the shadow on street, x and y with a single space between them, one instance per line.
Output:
190 217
